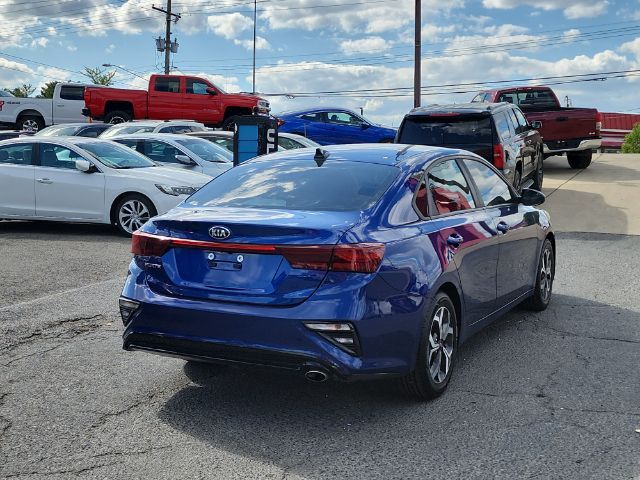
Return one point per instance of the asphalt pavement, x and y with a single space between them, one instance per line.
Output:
543 395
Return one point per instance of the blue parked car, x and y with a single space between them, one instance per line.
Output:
350 262
332 126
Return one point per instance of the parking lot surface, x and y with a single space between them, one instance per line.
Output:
554 394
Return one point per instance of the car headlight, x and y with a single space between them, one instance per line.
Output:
175 191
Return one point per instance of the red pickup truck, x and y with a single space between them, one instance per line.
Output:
574 131
170 97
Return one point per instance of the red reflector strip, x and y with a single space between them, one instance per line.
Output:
498 156
359 257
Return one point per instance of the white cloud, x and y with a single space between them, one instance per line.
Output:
571 33
110 48
72 48
365 45
39 42
261 43
572 9
230 25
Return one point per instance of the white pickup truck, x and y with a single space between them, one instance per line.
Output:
33 114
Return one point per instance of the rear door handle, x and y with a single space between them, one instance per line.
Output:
44 180
455 240
503 227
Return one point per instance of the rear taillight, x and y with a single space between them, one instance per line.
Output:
1 104
598 122
498 156
356 257
280 122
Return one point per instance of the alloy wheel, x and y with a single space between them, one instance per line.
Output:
546 274
133 215
116 120
441 342
30 125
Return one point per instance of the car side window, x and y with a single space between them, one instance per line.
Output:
196 87
128 143
521 119
160 151
167 84
493 189
56 156
513 122
508 97
19 154
312 117
502 126
288 143
72 93
449 189
343 118
91 132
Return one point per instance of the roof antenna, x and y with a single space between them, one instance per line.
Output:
321 156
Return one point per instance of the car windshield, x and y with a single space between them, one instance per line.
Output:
57 131
206 150
126 130
291 184
116 156
446 130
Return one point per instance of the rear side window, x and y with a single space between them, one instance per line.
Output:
312 117
72 93
522 121
19 154
291 184
160 152
167 84
444 131
493 189
502 126
449 189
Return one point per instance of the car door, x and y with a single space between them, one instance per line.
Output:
517 229
17 178
165 99
469 235
314 126
64 192
67 108
201 105
529 137
346 128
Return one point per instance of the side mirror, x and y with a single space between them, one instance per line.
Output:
185 160
536 125
532 198
212 91
85 166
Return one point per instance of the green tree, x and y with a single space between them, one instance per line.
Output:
99 76
47 90
23 90
632 141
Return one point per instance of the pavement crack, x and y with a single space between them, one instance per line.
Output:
77 471
592 337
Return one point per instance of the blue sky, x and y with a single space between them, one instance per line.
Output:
328 45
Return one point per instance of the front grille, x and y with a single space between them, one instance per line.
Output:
215 351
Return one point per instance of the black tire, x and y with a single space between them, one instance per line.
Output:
128 205
517 180
229 123
580 160
545 274
117 116
421 382
30 123
538 174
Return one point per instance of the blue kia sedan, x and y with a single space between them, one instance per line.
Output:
333 126
358 261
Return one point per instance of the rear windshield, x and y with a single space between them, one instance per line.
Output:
298 185
127 130
445 131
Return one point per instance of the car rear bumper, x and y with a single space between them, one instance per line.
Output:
589 144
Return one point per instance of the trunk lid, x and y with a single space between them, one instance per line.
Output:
235 261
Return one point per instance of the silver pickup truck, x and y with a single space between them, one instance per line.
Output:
33 114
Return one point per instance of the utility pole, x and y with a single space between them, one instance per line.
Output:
255 17
418 56
168 45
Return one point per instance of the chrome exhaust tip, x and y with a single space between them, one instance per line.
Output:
316 376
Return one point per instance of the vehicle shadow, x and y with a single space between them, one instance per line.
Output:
61 230
605 169
523 389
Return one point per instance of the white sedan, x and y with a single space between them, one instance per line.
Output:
181 151
77 179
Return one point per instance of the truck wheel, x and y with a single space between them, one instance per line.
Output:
30 123
117 116
579 160
230 123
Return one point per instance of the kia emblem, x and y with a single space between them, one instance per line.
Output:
219 233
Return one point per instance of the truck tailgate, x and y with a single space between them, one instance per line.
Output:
565 124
